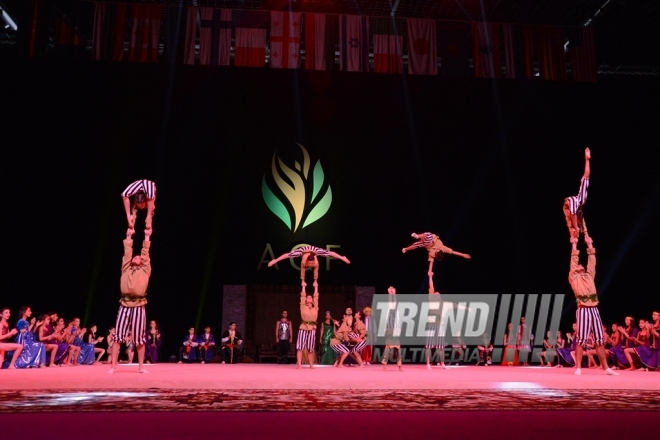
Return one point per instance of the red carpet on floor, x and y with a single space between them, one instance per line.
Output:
330 425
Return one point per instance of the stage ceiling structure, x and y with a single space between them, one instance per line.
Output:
628 43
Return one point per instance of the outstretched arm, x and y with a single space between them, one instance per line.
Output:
151 205
128 250
146 259
591 259
280 258
129 216
575 255
460 254
587 159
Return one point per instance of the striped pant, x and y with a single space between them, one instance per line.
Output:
306 340
359 346
146 186
437 338
576 202
311 249
589 322
340 349
131 321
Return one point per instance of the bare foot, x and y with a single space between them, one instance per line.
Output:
11 367
298 366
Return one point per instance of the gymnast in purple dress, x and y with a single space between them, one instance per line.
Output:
565 352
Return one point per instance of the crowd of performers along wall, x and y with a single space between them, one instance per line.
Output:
291 40
49 340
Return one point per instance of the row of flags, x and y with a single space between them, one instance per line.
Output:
293 40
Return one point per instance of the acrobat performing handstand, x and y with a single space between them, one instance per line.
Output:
309 260
143 194
435 248
573 205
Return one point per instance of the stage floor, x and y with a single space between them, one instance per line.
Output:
288 377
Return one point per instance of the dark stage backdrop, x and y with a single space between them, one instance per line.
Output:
485 164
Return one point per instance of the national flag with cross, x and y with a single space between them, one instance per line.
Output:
285 39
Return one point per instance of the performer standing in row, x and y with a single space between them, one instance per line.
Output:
573 205
588 317
392 341
143 193
436 250
309 260
283 337
131 317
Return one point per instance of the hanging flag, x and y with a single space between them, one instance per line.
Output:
174 34
250 46
145 33
190 38
422 52
285 39
454 48
69 41
107 17
354 43
321 36
582 54
215 36
486 50
552 55
518 51
388 42
32 38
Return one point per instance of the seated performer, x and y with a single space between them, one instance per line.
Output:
564 352
144 196
7 347
485 350
87 353
309 260
93 340
573 205
188 351
549 350
436 250
588 317
641 339
206 345
232 343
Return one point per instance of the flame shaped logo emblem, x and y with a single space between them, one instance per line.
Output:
304 198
